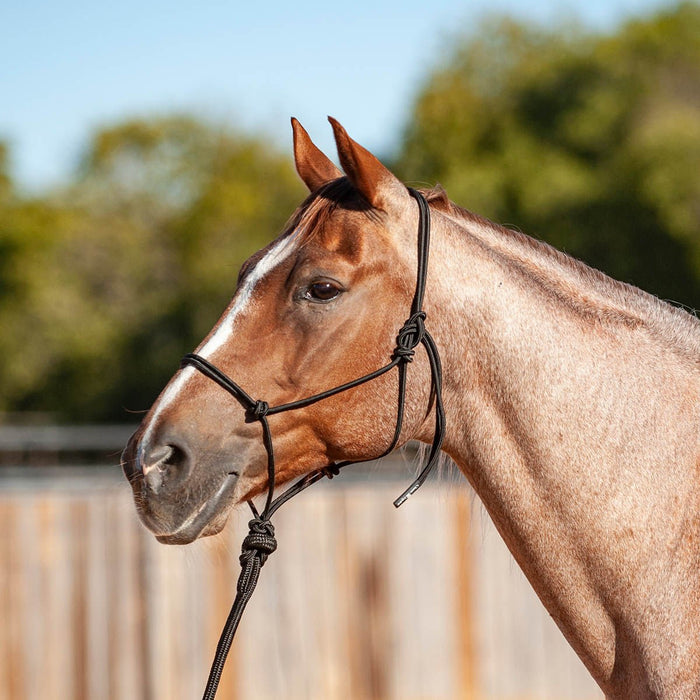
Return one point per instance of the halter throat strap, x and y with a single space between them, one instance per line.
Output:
260 541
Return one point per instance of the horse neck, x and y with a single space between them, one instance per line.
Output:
570 404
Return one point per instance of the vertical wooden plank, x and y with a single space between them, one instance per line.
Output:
142 646
369 624
338 595
154 636
113 608
41 628
5 604
357 684
466 661
78 534
14 604
326 624
165 624
34 613
318 595
57 634
194 563
423 573
124 658
128 596
99 531
174 593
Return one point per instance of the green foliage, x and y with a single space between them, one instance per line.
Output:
5 182
590 142
105 284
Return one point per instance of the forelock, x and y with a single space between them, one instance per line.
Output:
310 219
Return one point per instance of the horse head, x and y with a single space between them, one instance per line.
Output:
316 308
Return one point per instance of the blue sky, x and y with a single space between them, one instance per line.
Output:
68 67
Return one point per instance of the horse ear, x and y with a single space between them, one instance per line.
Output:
313 166
377 183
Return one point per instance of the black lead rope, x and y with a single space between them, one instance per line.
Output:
260 541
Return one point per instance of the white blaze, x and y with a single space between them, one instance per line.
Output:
268 262
279 252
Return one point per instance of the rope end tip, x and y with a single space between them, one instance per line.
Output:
403 498
408 492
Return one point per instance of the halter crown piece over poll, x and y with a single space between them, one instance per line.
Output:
260 541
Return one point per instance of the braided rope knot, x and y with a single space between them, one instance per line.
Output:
257 411
409 337
260 539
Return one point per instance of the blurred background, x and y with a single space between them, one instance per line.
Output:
145 152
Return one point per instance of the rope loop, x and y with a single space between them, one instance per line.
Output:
409 337
258 411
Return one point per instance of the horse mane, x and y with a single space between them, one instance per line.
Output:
565 276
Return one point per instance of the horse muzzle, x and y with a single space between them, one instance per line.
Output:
176 504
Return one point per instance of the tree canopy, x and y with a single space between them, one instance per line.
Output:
590 141
104 283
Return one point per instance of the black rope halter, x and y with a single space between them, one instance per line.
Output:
260 541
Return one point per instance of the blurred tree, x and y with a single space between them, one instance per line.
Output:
5 181
105 284
34 296
591 142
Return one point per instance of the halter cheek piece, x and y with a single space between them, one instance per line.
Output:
260 541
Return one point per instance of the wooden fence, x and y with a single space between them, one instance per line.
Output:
360 600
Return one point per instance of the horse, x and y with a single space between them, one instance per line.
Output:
571 405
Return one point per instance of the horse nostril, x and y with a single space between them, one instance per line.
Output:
157 457
165 464
176 459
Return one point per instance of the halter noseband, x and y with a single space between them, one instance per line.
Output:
260 541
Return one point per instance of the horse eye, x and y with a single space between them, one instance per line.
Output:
322 291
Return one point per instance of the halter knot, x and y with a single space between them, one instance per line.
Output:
260 541
258 411
409 336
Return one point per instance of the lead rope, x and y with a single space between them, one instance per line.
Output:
260 541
